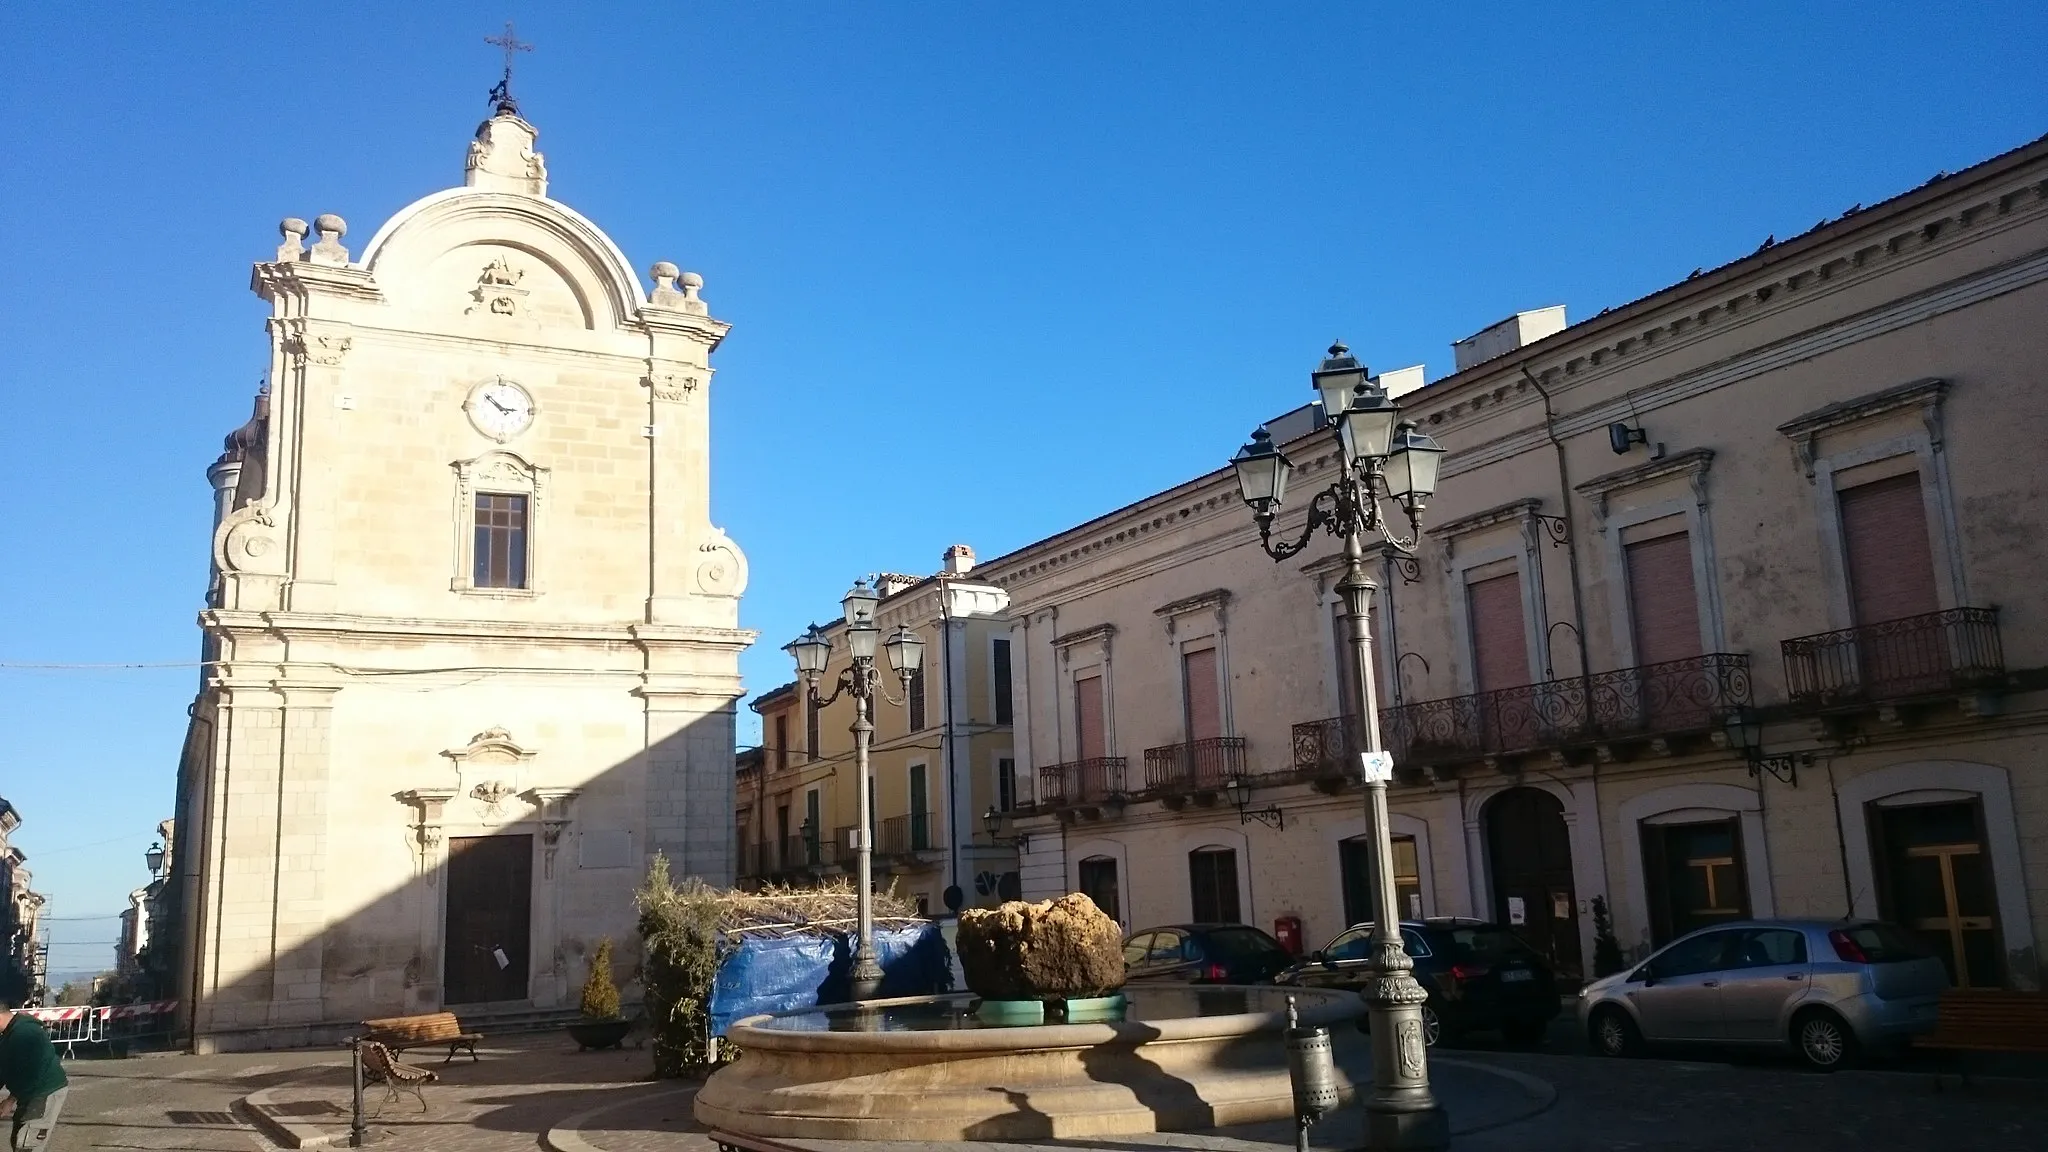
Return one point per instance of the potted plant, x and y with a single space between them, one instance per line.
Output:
600 1026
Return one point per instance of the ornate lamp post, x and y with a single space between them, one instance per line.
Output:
812 651
1379 461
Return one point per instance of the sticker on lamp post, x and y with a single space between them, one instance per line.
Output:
1377 766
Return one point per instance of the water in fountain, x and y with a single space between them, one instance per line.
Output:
950 1013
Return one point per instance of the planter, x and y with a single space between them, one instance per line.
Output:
599 1033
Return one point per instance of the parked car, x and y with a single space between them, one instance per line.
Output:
1204 954
1479 976
1824 989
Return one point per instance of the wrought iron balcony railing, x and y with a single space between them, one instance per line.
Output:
1194 766
1954 650
905 835
1090 781
804 852
1327 747
1676 697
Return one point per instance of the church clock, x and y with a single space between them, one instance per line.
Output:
499 408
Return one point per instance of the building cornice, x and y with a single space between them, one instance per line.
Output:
1690 462
1513 512
230 621
1082 636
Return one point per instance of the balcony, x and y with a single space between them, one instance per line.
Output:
1650 703
905 835
1957 651
1326 748
805 853
1081 783
1195 766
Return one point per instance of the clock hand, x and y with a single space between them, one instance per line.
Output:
498 406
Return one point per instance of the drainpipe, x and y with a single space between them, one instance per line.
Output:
1571 547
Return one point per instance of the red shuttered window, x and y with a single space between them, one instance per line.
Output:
1663 608
1088 734
1500 650
1202 693
1884 536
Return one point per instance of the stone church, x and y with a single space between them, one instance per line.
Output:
472 638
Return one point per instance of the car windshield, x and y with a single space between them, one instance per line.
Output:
1885 943
1484 945
1238 944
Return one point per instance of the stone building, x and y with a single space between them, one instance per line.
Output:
22 958
941 758
1728 604
473 637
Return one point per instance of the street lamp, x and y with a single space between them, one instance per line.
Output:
1380 460
154 857
992 820
812 651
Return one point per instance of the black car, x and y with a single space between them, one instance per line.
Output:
1479 976
1204 954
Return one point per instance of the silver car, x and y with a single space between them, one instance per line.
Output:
1825 989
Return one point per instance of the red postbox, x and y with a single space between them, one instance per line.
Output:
1287 930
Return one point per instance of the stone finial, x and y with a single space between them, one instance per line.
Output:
502 157
691 283
293 249
665 294
329 249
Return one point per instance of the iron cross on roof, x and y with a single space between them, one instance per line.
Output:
501 95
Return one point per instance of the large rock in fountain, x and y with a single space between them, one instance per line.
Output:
1065 949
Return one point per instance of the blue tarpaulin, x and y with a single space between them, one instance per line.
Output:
761 973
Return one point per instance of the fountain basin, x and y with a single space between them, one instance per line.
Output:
1184 1058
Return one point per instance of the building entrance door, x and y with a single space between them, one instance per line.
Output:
485 950
1937 882
1529 855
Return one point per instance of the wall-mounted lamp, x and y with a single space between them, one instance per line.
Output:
1240 794
1621 438
993 821
1745 728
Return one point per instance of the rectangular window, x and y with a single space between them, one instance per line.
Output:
1500 650
920 816
781 741
1006 784
917 700
810 730
1884 538
1695 877
500 548
782 835
1098 883
1088 735
1354 857
811 824
1212 885
1202 694
1665 613
999 653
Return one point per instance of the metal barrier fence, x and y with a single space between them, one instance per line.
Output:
114 1026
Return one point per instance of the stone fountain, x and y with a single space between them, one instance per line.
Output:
1047 1044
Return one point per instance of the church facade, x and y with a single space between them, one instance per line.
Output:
472 638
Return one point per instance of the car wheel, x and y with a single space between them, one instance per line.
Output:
1524 1033
1824 1040
1612 1033
1432 1027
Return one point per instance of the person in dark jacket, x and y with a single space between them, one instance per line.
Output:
33 1079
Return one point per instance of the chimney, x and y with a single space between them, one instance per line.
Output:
1523 328
959 560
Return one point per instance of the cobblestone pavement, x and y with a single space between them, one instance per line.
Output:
170 1102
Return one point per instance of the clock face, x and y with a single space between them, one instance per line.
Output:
500 409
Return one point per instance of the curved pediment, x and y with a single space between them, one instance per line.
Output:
499 259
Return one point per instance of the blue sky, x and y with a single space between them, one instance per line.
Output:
970 252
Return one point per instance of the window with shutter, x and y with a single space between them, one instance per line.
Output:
1201 691
1098 883
1884 540
999 656
916 708
1088 733
1500 648
1663 608
1212 885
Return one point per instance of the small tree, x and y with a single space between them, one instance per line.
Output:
1606 949
600 995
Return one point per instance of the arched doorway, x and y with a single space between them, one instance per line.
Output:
1529 857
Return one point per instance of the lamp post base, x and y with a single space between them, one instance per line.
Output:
867 976
1429 1128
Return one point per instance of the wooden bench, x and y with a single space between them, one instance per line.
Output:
381 1067
399 1033
1988 1020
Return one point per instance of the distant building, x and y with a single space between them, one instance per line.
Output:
23 957
474 639
941 757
